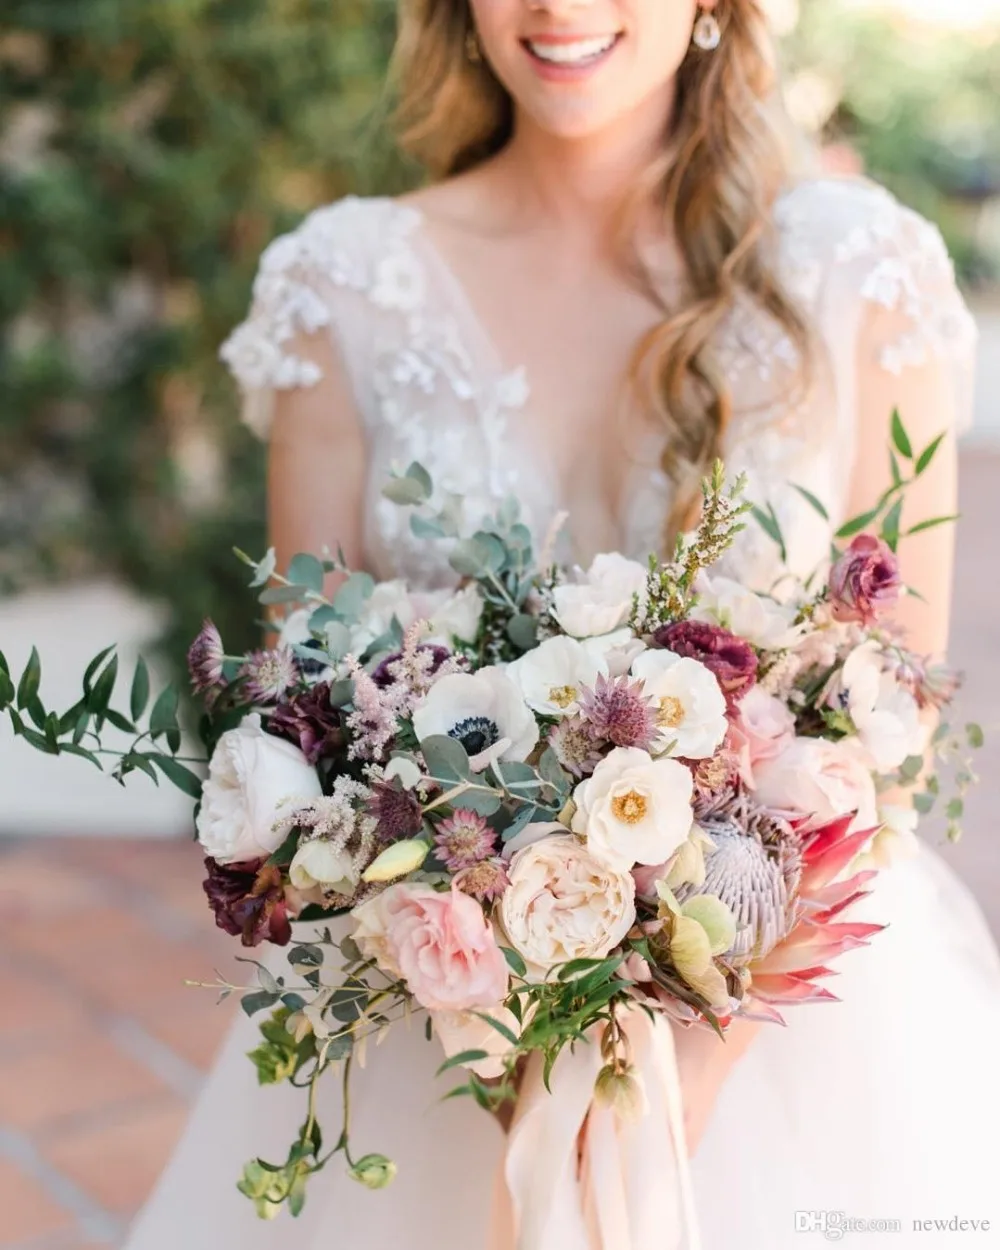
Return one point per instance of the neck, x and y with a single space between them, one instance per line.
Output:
580 182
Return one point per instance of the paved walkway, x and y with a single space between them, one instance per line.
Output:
101 1044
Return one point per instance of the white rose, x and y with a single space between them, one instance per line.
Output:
460 1031
600 600
615 651
886 716
692 707
483 710
757 618
634 809
252 776
563 903
551 678
820 780
318 863
457 616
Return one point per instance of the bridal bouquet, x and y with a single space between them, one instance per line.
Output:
521 809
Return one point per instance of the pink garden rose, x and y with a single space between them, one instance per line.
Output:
440 943
763 729
864 581
819 780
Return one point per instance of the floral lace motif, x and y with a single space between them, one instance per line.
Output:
363 271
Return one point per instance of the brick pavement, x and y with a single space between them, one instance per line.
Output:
101 1044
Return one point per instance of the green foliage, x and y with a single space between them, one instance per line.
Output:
150 153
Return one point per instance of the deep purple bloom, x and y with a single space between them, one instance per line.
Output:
397 811
864 581
204 660
383 677
248 901
310 721
729 657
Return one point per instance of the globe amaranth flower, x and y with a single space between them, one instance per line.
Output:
269 674
730 658
310 720
248 901
464 839
864 581
204 660
618 710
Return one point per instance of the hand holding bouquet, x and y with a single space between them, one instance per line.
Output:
541 806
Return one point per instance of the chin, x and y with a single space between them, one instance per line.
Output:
582 120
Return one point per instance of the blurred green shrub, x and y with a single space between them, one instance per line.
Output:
148 152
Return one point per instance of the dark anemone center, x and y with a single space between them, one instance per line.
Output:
475 733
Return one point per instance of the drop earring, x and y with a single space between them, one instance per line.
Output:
473 51
707 33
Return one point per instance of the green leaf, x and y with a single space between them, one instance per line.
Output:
813 502
405 491
350 599
975 736
94 665
286 851
897 476
463 1057
482 802
514 961
281 594
139 695
104 688
163 717
119 721
856 524
446 758
6 689
181 776
955 809
70 748
419 474
768 522
926 525
426 527
890 525
927 455
522 630
136 760
27 688
259 1000
923 803
306 570
900 437
500 1027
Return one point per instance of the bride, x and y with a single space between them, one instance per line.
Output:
613 277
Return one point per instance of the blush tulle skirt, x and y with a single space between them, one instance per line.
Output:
883 1107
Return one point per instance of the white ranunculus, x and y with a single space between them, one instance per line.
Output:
564 903
461 1031
760 620
691 706
553 675
600 600
616 650
481 710
819 780
634 809
456 615
252 778
886 716
318 863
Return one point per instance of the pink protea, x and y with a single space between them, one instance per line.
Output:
617 710
464 839
269 674
790 970
205 659
485 881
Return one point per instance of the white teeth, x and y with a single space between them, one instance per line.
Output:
572 53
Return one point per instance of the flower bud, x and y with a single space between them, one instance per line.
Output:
397 860
374 1171
620 1090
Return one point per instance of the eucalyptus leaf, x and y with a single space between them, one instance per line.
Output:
426 527
522 630
352 596
405 491
306 570
446 758
419 474
482 802
281 594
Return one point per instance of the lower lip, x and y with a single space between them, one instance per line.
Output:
575 72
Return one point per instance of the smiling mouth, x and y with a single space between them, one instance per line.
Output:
572 53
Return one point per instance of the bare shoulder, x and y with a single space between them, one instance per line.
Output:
471 203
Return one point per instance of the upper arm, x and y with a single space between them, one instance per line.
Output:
316 462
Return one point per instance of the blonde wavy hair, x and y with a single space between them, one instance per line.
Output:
726 158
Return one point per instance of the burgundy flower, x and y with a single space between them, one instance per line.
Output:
248 901
616 709
397 811
383 675
730 658
864 581
204 660
310 721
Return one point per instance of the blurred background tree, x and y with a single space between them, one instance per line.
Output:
148 152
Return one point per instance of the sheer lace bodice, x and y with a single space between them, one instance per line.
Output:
872 277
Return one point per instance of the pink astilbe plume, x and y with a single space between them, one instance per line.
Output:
373 722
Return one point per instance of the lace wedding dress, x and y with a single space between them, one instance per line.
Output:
883 1106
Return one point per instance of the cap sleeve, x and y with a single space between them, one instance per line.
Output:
308 281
